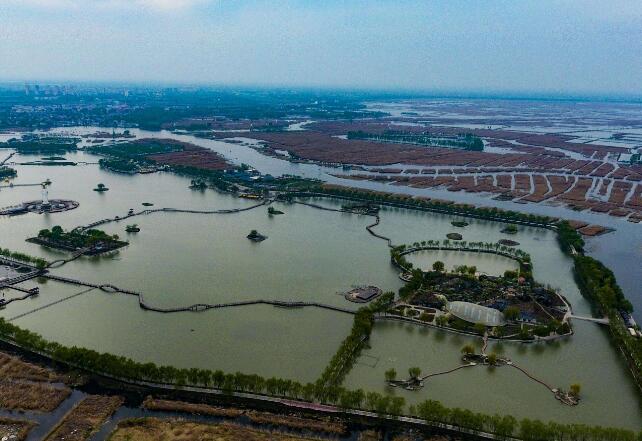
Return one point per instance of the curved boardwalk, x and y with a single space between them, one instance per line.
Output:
465 249
368 227
60 262
170 210
537 380
425 377
197 307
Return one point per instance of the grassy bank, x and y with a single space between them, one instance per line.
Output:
599 286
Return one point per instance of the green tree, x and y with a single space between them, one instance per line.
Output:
396 405
472 270
441 320
468 349
414 372
575 389
438 266
512 313
391 374
524 334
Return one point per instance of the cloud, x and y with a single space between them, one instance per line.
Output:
126 5
168 4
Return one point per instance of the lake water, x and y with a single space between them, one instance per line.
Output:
179 259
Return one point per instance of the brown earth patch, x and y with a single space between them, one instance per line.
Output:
592 230
578 191
541 189
636 199
153 429
619 191
193 408
31 396
12 367
15 430
85 419
193 156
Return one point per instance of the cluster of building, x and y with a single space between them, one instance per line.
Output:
631 324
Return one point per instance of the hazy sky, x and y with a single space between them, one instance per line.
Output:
561 46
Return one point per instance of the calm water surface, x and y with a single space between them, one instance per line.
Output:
180 259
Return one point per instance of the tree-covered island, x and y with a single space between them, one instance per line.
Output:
92 241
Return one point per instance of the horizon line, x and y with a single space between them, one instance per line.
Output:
466 93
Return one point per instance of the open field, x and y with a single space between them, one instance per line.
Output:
85 418
194 408
151 429
30 396
14 368
516 164
14 430
192 156
291 421
624 200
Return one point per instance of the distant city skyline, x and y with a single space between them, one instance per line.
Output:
551 47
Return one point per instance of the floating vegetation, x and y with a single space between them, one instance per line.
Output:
197 184
7 172
101 188
510 229
273 211
459 224
454 236
256 236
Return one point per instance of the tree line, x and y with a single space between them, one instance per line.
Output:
350 348
406 201
384 405
506 426
568 238
598 284
466 141
16 255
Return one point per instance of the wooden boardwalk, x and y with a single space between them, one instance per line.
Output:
197 307
169 210
4 161
60 262
369 228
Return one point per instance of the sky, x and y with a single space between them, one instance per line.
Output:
543 46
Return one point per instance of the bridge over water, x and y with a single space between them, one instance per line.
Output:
601 321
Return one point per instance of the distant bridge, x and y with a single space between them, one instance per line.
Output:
601 321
